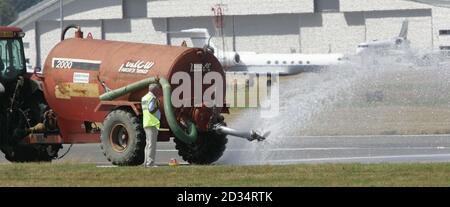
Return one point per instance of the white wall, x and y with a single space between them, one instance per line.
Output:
29 38
50 34
331 32
136 30
276 33
189 8
264 26
379 5
88 10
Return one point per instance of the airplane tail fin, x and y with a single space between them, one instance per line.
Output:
200 37
404 30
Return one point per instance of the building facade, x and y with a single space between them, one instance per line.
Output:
263 26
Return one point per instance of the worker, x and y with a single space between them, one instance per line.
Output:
151 123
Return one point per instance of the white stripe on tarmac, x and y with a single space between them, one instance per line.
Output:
327 149
369 136
357 148
361 158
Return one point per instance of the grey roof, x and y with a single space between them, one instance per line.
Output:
35 12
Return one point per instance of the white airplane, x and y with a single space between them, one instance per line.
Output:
398 50
400 42
251 62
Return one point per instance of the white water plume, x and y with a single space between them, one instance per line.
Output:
302 98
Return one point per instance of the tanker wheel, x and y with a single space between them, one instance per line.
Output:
123 138
208 148
31 153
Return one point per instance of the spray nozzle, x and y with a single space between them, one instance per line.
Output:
256 136
249 135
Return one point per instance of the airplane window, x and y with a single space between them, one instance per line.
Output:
237 58
276 62
284 62
307 62
268 62
292 62
300 62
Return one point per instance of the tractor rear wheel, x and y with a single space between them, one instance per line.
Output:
123 138
208 148
31 153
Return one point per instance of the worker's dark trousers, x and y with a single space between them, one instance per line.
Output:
150 148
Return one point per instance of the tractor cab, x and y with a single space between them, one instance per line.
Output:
12 56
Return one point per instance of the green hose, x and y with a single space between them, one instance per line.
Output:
111 95
171 119
179 133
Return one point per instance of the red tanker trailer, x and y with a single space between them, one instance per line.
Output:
92 91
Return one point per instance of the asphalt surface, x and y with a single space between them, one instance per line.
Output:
292 150
347 149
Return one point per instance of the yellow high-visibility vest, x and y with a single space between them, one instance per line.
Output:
150 118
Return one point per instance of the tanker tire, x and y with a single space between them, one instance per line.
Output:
208 148
133 154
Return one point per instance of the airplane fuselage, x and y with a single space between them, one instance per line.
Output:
284 64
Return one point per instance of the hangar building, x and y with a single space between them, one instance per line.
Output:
273 26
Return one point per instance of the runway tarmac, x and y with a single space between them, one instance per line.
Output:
340 149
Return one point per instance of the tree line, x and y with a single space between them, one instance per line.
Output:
9 9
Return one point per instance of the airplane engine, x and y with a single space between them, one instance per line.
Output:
229 59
